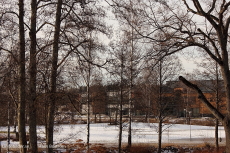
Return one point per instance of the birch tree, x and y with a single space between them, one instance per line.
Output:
118 70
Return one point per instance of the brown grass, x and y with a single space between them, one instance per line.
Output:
142 148
201 148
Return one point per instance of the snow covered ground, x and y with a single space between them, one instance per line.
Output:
142 133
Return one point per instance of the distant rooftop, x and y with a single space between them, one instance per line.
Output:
205 85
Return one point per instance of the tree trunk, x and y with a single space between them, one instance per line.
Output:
52 100
110 119
226 78
159 135
216 134
22 81
146 117
88 110
130 93
116 114
88 95
226 121
121 107
227 133
130 132
120 123
217 107
32 83
160 107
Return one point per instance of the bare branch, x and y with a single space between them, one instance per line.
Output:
74 49
189 9
11 53
69 52
202 97
213 7
201 12
47 4
11 12
13 98
71 8
219 61
198 7
212 42
224 7
71 101
227 24
39 28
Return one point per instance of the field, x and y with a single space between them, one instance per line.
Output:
103 135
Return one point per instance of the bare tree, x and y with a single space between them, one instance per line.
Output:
118 71
53 82
121 100
15 50
164 71
135 52
214 42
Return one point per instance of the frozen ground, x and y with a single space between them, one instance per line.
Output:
142 133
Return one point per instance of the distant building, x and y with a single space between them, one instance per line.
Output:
189 100
113 100
179 100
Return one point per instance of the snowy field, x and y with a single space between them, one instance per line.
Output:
141 133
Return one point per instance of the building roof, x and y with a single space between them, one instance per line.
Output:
205 86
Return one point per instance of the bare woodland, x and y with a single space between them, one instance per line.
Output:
53 51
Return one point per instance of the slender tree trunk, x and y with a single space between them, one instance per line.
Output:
88 106
88 93
100 118
130 94
130 113
130 119
227 133
116 114
217 107
52 100
109 113
120 121
160 109
121 106
159 134
146 117
130 132
32 83
22 81
8 123
216 135
88 125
